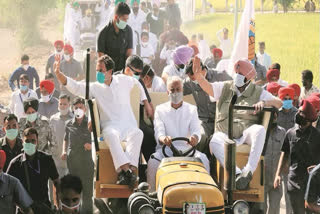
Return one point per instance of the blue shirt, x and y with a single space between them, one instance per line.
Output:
32 74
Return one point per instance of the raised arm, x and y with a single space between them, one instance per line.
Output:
204 84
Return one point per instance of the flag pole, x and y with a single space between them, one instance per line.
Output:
235 24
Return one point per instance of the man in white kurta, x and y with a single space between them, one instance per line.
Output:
112 93
262 57
174 119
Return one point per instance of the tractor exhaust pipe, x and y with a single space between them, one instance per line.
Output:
230 156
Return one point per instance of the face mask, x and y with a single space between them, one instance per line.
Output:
135 9
63 111
79 113
239 80
176 98
66 57
121 24
136 77
144 44
74 208
45 99
58 52
300 120
25 67
23 88
287 104
11 134
100 77
32 117
29 148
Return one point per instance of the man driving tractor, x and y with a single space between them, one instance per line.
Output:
174 119
244 128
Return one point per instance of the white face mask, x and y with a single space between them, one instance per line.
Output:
63 111
176 97
66 57
144 44
239 80
79 113
73 208
25 67
45 99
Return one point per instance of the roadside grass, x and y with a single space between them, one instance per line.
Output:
291 39
220 5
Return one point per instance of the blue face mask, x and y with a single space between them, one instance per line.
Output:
29 148
136 76
23 87
11 134
32 117
121 24
287 104
100 77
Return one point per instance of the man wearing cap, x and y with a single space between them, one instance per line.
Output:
181 57
40 123
302 146
244 128
48 105
273 88
58 50
297 91
18 96
205 106
12 192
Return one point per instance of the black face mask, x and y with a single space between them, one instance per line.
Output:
301 120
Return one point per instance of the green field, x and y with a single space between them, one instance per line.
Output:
291 39
220 5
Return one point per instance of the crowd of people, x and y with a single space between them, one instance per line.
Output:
45 150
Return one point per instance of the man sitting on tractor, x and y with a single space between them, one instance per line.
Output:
244 128
174 119
112 93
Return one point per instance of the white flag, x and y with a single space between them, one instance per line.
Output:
244 45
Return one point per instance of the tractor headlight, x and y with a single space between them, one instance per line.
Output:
139 203
240 207
146 209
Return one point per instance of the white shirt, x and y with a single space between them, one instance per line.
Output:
264 59
181 122
223 65
113 101
283 83
204 50
166 55
153 40
17 98
305 94
217 91
225 45
171 70
135 21
158 85
146 52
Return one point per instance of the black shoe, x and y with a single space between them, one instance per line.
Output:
122 178
243 180
131 178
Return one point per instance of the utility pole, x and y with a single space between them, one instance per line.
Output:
235 28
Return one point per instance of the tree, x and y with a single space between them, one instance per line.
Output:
23 17
286 4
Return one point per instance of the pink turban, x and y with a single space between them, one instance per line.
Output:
182 55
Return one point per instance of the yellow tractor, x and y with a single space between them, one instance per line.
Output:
182 183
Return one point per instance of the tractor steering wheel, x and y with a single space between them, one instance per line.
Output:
176 152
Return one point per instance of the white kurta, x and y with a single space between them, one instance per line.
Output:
16 104
181 122
73 26
171 70
204 50
116 116
166 54
264 59
253 135
135 21
153 40
225 45
158 85
146 52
